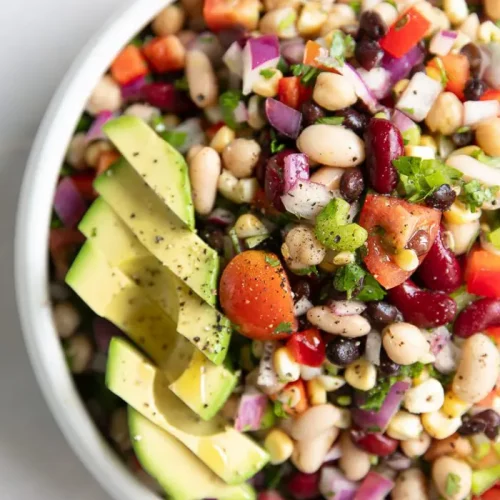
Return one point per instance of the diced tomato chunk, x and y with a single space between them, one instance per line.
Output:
128 65
224 14
482 273
292 92
307 347
296 393
457 69
165 53
491 95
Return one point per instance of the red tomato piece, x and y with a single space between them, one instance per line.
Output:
482 273
224 14
292 92
405 33
296 392
491 494
62 243
390 223
307 347
84 182
490 95
128 65
165 53
457 69
256 296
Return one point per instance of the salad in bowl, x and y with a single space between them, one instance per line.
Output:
275 251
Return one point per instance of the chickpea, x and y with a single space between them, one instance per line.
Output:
340 15
404 343
329 177
487 134
410 485
333 91
453 445
303 247
169 21
446 114
446 470
414 448
492 8
255 118
106 96
280 22
278 4
204 172
75 155
241 156
94 151
66 319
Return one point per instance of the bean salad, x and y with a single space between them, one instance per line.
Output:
284 216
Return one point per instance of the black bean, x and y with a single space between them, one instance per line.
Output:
442 198
372 25
387 366
343 351
419 242
489 417
311 112
462 139
301 289
214 237
470 427
475 57
368 53
488 421
353 120
352 185
383 313
474 89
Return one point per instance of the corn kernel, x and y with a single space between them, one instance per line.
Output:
287 369
404 426
407 260
453 406
361 375
459 214
400 87
311 19
439 425
429 141
222 138
268 87
248 225
456 10
488 32
331 383
421 377
279 446
246 189
424 152
344 258
316 391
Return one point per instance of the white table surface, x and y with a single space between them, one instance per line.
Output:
38 41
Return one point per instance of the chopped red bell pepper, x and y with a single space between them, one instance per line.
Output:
482 273
491 494
292 92
296 392
405 33
307 347
490 95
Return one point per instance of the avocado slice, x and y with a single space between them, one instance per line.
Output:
484 479
231 455
159 230
161 166
192 377
210 332
177 469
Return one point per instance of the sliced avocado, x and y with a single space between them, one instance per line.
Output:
231 455
484 479
201 384
199 322
158 229
161 166
175 467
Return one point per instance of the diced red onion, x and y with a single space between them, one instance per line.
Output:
334 454
293 50
221 217
437 338
402 122
478 111
401 68
296 168
374 487
208 43
259 53
240 113
346 307
133 91
69 204
250 411
474 169
379 420
378 81
333 485
447 359
419 96
442 42
233 59
104 331
302 306
283 118
397 461
373 347
95 131
306 199
360 88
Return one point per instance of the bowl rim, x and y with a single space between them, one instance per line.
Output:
31 249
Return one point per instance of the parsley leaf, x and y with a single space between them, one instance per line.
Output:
275 145
474 194
174 138
355 6
372 290
452 484
228 102
283 328
444 378
331 120
268 73
306 271
181 84
348 278
279 411
341 48
307 73
374 398
492 161
411 371
272 261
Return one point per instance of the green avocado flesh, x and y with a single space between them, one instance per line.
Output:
159 164
231 455
178 248
196 320
201 384
175 467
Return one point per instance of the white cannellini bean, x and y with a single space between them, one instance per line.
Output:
308 455
106 96
478 369
410 485
328 176
404 426
441 470
424 398
347 307
285 366
334 92
404 343
315 421
66 319
414 448
354 462
487 134
241 156
75 155
204 172
203 87
143 111
347 326
332 145
387 12
303 247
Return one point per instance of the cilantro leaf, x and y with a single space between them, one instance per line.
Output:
272 261
452 484
279 411
331 120
474 194
372 290
411 371
307 73
355 6
283 328
268 73
306 271
174 138
275 145
492 161
228 102
374 398
341 48
348 278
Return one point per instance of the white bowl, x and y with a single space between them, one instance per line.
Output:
32 236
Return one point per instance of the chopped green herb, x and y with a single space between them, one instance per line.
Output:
452 484
273 475
411 371
55 222
275 145
374 398
84 123
308 74
393 3
372 290
66 170
344 400
282 66
272 261
356 6
462 130
283 328
341 48
174 138
268 73
181 84
279 411
408 111
474 194
331 120
306 271
445 379
228 102
348 278
158 124
442 71
492 161
287 21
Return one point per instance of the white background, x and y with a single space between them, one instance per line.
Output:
38 41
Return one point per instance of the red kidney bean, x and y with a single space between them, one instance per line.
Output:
375 443
274 183
476 317
383 144
269 495
303 486
166 97
423 308
440 270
